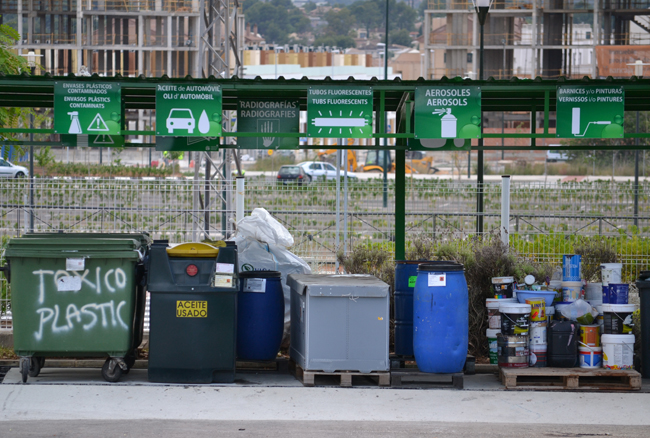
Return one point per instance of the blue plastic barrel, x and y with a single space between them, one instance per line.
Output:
440 318
260 315
405 276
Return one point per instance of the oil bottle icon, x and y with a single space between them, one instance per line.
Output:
75 126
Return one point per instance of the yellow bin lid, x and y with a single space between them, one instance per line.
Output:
193 249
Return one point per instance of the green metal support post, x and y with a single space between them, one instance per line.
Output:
400 204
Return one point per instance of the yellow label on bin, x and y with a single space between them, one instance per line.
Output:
191 309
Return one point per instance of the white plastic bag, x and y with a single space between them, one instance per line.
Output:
580 311
262 226
258 248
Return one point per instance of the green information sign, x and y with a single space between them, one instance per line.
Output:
87 108
590 111
93 141
339 112
268 116
439 144
447 112
188 110
198 144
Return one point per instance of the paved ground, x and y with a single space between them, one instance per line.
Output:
302 429
79 397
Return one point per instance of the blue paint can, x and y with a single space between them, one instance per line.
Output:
572 267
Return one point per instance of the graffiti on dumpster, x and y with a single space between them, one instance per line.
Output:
106 314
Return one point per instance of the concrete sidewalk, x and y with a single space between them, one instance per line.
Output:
81 394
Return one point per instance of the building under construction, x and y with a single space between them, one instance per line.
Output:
530 38
129 37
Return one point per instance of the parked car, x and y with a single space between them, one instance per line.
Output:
9 170
293 175
317 169
555 156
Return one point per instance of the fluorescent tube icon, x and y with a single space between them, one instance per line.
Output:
340 122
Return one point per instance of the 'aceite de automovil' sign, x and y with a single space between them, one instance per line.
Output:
447 112
339 112
268 116
87 108
188 110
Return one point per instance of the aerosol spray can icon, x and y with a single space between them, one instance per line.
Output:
448 126
75 126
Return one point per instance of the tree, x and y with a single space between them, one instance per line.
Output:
367 15
400 37
309 6
342 41
276 20
12 64
339 22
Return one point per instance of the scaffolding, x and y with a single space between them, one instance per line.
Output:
530 38
129 38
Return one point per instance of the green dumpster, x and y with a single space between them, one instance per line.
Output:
193 313
76 297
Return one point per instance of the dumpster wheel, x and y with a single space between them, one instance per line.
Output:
24 367
111 370
35 365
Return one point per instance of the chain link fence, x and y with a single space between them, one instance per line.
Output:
324 221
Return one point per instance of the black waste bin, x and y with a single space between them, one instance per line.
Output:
193 313
643 283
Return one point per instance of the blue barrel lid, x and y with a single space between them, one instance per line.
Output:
440 266
260 274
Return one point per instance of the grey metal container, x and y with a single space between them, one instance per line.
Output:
339 322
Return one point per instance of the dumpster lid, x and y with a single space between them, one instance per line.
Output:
329 285
60 247
143 237
193 249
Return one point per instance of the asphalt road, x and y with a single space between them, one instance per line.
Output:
303 429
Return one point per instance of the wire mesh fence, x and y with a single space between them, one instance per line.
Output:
324 220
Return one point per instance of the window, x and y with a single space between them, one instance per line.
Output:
314 166
330 167
588 35
470 57
3 163
444 58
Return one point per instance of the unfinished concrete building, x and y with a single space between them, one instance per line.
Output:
530 38
131 38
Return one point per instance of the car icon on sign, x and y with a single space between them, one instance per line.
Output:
180 119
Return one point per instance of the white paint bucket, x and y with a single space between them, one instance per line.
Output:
494 316
492 345
618 352
571 291
611 273
537 333
590 357
537 356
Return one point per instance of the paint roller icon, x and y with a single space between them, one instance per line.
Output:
575 123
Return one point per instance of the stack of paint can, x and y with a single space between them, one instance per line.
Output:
589 350
512 342
572 278
537 337
617 339
494 324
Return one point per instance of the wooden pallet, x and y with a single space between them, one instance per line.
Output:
582 379
416 379
342 378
